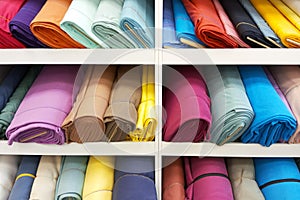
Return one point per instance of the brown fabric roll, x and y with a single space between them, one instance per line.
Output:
85 121
121 115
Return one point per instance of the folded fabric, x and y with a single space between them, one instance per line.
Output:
207 179
242 176
278 178
294 5
99 178
261 23
287 32
173 186
273 121
147 117
70 182
78 20
106 25
45 25
44 184
187 105
8 112
137 21
121 115
4 69
24 178
9 166
8 9
42 111
20 25
298 162
288 79
231 110
85 121
208 26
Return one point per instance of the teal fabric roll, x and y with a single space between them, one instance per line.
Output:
70 181
137 20
106 25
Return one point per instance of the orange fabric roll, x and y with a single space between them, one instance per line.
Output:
208 26
46 25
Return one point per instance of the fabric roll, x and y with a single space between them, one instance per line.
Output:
294 5
147 117
278 123
173 186
85 121
70 182
298 162
242 176
20 25
278 178
44 184
8 9
207 178
261 23
42 111
24 178
288 79
78 20
288 33
208 26
46 25
4 69
9 166
99 178
187 105
231 110
228 26
8 112
106 25
137 21
121 114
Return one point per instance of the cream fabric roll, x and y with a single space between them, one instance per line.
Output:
294 5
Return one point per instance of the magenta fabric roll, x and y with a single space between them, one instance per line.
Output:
207 179
187 105
44 108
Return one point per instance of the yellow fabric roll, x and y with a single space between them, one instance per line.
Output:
286 31
99 178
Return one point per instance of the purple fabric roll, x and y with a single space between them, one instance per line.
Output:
44 108
20 25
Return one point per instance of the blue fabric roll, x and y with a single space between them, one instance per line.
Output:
24 178
273 121
278 178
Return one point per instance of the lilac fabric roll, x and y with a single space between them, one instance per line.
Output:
44 108
20 25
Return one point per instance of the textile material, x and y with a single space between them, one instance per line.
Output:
273 121
85 121
99 178
4 69
20 25
24 178
231 110
278 178
288 79
44 184
9 166
8 112
121 115
106 25
147 117
70 181
42 111
298 162
173 186
207 179
242 176
288 33
137 21
8 9
187 105
46 25
78 20
208 26
294 5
